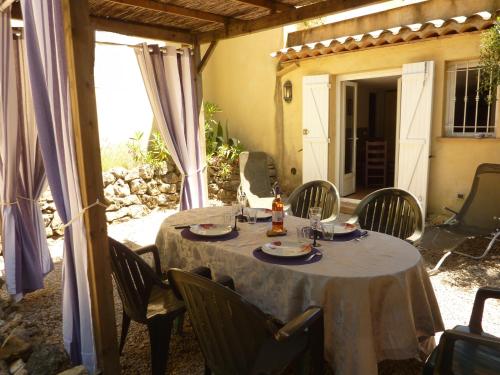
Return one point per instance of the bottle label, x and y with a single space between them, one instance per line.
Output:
277 216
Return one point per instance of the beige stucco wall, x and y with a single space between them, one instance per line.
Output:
241 78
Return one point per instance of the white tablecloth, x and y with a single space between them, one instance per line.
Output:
377 297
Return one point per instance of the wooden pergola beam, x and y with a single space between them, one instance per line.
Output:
269 4
241 27
142 30
79 41
175 10
206 56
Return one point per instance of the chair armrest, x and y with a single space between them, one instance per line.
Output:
445 356
202 271
300 323
476 317
156 256
415 237
353 220
226 281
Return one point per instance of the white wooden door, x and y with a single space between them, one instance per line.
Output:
315 123
348 138
415 129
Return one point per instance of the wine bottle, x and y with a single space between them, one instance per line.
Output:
278 215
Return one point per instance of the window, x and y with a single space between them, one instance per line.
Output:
470 112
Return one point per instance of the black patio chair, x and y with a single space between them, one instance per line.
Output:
391 211
467 350
478 217
238 338
146 299
316 193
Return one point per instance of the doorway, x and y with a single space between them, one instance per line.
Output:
369 111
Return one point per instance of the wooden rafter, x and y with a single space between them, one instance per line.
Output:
269 4
175 10
142 30
206 56
241 27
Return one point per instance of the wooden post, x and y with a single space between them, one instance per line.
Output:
79 39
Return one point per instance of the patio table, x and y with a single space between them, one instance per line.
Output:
377 297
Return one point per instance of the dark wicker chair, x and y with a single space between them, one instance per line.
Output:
316 193
237 338
466 350
146 299
391 211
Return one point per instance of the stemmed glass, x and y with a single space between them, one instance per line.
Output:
235 209
315 218
242 199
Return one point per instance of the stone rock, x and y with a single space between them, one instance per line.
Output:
113 207
115 215
78 370
163 187
15 348
163 200
173 197
49 207
153 188
170 178
121 188
57 225
108 178
47 196
132 175
16 366
12 322
128 200
47 359
119 172
213 188
137 211
150 201
109 192
138 186
47 218
146 172
163 169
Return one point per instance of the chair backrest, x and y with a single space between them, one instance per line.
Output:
392 211
483 202
134 279
254 174
316 193
230 330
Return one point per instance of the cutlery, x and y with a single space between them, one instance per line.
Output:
310 257
365 234
182 226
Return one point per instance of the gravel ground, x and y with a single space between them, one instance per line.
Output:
454 286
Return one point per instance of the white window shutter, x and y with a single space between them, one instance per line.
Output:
315 127
415 129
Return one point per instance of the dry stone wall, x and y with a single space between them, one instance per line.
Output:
133 193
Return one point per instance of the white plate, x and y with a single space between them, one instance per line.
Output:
287 249
264 213
344 228
210 230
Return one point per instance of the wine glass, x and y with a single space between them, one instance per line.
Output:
315 218
242 199
235 209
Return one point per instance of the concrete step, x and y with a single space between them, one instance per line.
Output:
348 205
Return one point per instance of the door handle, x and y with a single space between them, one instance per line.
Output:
305 131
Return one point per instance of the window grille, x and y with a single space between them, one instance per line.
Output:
470 111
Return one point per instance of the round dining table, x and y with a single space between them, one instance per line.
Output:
377 298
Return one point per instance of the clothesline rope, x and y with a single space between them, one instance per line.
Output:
75 218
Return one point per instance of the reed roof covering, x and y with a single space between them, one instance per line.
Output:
208 20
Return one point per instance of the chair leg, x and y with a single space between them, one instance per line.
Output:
207 370
159 329
490 245
179 324
317 348
125 325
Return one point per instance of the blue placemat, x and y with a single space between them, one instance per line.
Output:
260 255
188 235
343 237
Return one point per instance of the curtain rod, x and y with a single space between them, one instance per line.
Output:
179 51
5 4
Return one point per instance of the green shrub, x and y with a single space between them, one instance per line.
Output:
156 153
489 61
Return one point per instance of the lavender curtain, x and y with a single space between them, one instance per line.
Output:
169 80
26 254
46 57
